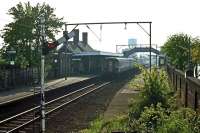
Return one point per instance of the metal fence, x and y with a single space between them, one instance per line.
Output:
188 88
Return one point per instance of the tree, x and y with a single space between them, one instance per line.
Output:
176 49
196 53
196 50
24 32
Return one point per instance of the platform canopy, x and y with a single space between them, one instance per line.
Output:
98 53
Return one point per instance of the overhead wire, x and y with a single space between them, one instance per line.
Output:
94 33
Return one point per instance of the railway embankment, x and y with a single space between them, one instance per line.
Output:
155 109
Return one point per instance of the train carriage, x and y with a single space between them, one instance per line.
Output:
118 64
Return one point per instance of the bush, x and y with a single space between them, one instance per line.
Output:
95 126
191 117
157 119
154 90
149 119
99 125
156 87
155 110
179 121
136 83
174 125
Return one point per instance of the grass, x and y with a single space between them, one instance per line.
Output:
101 126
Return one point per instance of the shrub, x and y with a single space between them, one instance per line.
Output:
156 119
155 110
99 125
174 125
95 126
153 91
149 119
136 83
178 122
156 87
191 117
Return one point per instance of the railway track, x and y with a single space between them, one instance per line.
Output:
22 121
20 104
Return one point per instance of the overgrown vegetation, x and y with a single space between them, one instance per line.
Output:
155 110
101 126
177 49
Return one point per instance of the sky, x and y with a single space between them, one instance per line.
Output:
168 17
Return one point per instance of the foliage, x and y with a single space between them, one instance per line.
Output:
196 50
154 90
150 113
179 121
174 125
160 120
99 125
156 86
173 102
95 126
2 61
150 119
24 32
163 117
176 49
136 83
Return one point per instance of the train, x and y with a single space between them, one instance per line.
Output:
99 64
118 64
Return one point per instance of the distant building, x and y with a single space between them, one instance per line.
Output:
132 42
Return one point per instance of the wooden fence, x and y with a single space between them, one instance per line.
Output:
188 88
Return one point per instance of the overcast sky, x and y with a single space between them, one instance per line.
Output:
167 16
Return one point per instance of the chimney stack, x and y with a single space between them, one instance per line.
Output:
76 37
85 38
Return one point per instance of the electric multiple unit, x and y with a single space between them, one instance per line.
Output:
118 64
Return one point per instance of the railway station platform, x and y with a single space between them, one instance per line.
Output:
119 104
27 91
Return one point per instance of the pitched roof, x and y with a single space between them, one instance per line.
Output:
75 48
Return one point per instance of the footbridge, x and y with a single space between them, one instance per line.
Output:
129 52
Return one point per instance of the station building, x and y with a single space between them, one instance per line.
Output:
82 58
91 62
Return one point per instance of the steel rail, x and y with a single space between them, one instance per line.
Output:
47 113
37 107
59 98
18 115
28 122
